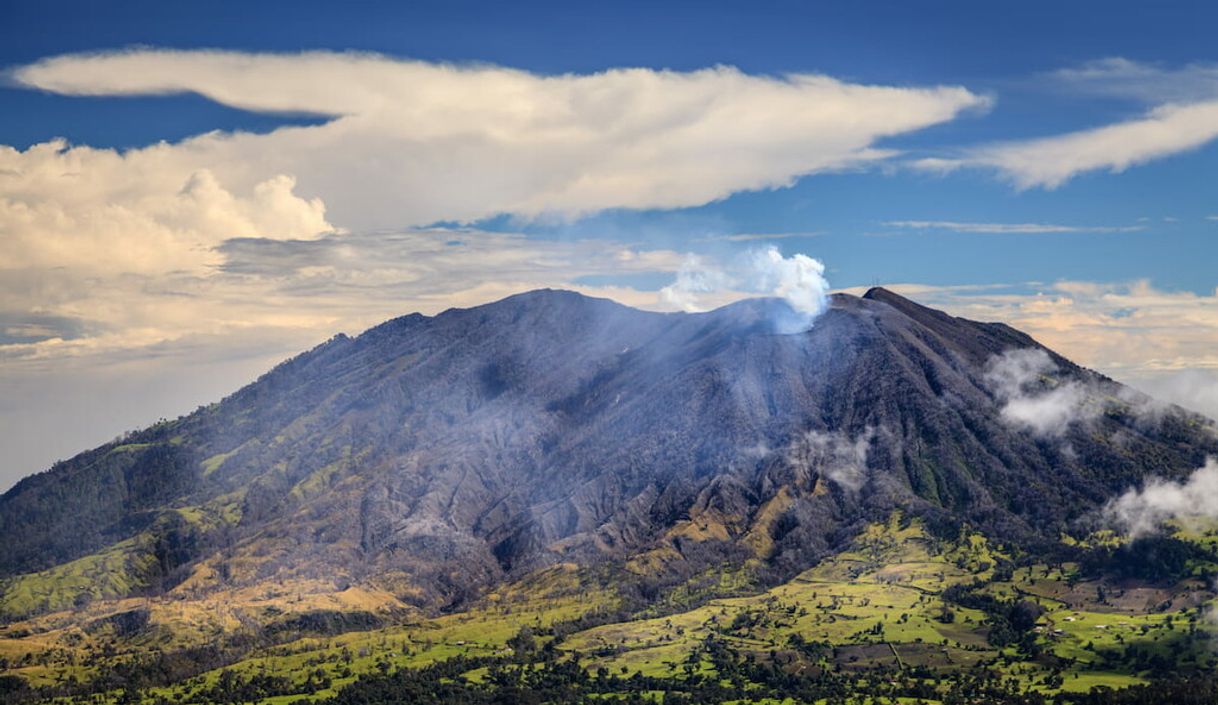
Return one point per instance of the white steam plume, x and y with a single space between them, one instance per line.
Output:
694 278
799 280
1139 513
1022 379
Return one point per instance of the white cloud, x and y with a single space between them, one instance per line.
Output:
97 211
1182 115
799 280
1140 512
1009 228
694 279
412 142
1050 162
1032 395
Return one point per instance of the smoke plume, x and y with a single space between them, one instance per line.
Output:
798 280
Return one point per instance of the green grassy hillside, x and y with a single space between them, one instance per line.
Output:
902 613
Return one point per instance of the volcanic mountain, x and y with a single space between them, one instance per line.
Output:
436 457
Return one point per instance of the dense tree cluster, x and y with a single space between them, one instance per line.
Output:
1156 558
1009 621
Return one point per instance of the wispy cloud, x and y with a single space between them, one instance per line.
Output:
1147 83
1195 389
1182 115
1050 162
754 237
1009 228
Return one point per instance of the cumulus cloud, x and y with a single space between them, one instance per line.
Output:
1025 380
799 280
1140 512
97 211
412 142
1182 115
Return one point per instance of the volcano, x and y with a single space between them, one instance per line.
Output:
437 457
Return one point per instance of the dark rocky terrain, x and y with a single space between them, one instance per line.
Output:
438 456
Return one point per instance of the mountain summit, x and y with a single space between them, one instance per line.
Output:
436 457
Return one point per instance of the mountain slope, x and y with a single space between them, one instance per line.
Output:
436 456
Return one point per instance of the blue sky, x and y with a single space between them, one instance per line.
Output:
1048 164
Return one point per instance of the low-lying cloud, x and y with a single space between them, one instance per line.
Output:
1032 397
1196 390
1142 512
